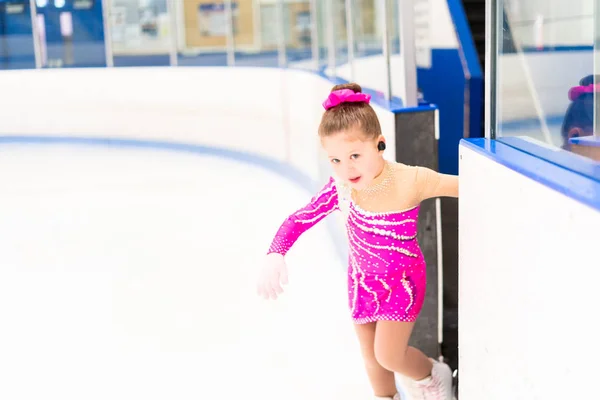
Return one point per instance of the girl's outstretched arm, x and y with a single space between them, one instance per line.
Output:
321 205
433 184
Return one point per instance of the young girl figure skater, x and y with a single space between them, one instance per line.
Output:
387 272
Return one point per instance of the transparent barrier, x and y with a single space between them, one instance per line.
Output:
352 39
140 32
546 71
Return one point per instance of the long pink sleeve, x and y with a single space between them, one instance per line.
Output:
320 206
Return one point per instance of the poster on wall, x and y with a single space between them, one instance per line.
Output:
212 19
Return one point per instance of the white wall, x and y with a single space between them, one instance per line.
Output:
189 105
528 296
236 108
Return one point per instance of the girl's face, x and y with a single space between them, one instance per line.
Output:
354 159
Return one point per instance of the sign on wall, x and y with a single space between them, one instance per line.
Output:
212 18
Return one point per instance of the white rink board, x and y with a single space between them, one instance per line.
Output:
265 111
528 297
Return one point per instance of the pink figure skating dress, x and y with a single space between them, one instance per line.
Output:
386 271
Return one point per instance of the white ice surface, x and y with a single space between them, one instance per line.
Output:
130 274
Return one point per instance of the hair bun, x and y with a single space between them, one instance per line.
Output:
589 80
355 87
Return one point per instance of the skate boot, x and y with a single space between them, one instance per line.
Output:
396 397
438 386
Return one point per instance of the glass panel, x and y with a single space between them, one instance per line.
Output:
545 71
336 63
140 32
369 63
16 38
298 21
340 31
329 21
322 26
368 28
396 67
71 33
257 33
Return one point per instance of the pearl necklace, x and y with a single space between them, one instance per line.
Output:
380 184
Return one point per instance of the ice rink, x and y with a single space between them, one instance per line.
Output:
129 273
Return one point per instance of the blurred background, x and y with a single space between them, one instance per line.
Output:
118 115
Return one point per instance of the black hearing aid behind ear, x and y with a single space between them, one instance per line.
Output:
381 146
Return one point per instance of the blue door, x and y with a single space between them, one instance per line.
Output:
16 38
71 33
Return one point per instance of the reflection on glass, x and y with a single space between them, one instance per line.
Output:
545 71
597 67
140 32
583 125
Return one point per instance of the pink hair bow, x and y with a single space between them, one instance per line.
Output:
338 97
577 91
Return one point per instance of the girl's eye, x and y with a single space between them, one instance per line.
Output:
335 160
354 156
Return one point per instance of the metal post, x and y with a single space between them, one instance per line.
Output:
490 68
314 33
386 50
106 15
230 37
331 52
173 50
37 53
281 57
350 37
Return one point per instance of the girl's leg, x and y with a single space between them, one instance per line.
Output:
382 380
393 352
426 378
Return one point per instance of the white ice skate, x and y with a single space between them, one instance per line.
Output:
436 387
396 397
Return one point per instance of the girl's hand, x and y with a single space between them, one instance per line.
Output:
272 276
